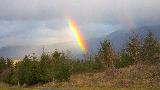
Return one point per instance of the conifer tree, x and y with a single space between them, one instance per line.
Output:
105 53
46 68
133 48
24 71
2 64
28 71
150 49
9 63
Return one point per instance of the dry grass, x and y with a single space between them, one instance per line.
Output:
136 76
7 88
4 86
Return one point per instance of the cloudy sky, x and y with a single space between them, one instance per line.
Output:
43 22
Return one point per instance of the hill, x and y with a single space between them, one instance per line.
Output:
117 38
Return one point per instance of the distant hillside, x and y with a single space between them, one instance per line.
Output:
117 38
17 52
120 38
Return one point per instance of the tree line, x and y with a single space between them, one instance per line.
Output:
58 67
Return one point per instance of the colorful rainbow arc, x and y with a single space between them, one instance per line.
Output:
77 34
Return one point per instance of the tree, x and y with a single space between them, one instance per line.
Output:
35 72
62 73
54 67
124 60
2 64
97 64
9 63
46 68
24 72
105 53
28 71
61 66
9 71
133 48
150 49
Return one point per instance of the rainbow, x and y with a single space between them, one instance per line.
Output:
77 34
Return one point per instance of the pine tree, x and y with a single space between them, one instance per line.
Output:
9 63
46 68
61 66
2 64
133 48
150 49
9 72
24 72
106 54
28 71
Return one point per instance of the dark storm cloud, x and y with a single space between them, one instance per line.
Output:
86 10
42 20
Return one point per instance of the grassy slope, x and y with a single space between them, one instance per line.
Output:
136 77
133 76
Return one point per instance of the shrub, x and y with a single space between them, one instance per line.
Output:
86 66
62 73
54 66
125 60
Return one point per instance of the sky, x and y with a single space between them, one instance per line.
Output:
43 22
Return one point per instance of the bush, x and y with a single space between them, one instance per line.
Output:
11 76
86 66
54 66
62 73
124 61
